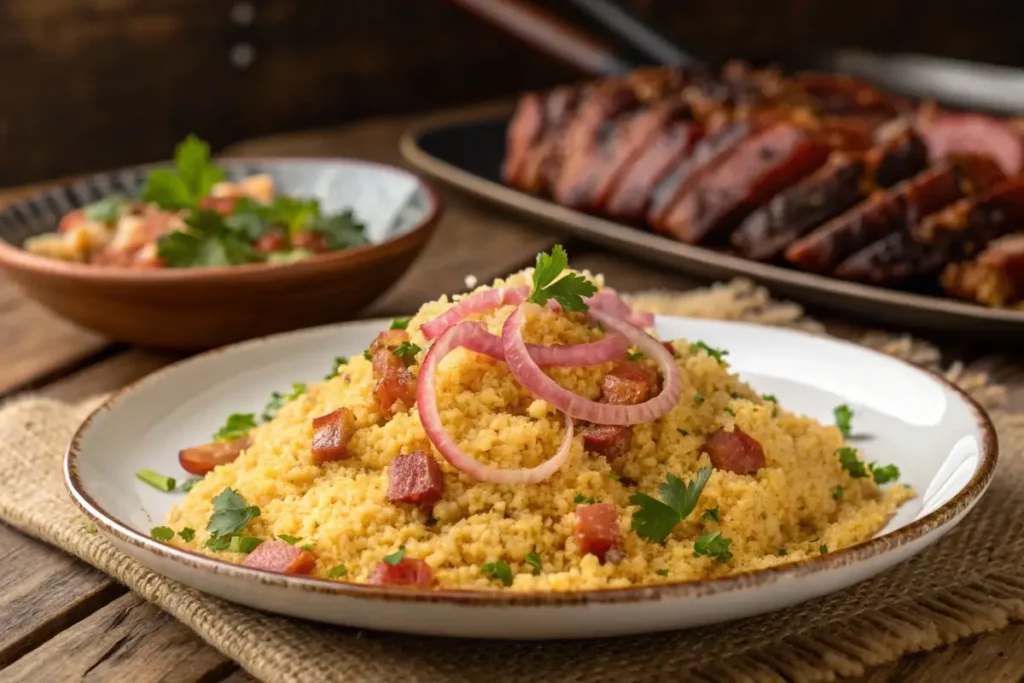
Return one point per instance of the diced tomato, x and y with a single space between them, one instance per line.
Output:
222 205
331 433
200 460
597 529
313 241
71 220
734 451
408 572
609 440
415 478
278 556
271 242
629 383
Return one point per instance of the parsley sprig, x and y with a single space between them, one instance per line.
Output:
551 281
717 354
844 419
655 519
231 514
533 559
499 571
279 398
713 544
236 426
188 182
855 467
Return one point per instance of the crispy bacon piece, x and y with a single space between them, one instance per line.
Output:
331 433
757 168
200 460
408 572
734 451
280 557
395 389
995 278
597 529
415 478
629 383
610 441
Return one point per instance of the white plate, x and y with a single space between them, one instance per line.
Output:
942 442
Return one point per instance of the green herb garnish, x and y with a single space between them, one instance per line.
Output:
106 210
711 514
614 476
683 432
781 552
837 493
580 499
698 398
400 323
367 355
655 519
278 399
843 417
307 546
338 362
244 544
550 281
215 543
205 242
187 534
236 426
884 475
406 350
770 398
337 571
714 353
635 355
662 572
497 570
533 559
394 558
851 463
713 544
162 533
340 231
231 514
158 481
290 540
730 411
191 179
186 486
823 549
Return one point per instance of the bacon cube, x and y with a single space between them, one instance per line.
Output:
629 383
278 556
609 440
415 478
331 433
734 451
408 572
597 529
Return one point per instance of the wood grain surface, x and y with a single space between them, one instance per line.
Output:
63 621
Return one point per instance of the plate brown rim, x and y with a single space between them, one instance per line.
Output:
587 225
15 257
850 555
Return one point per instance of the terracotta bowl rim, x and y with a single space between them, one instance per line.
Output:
16 258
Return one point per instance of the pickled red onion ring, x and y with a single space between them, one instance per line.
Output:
609 301
467 335
529 374
612 346
478 302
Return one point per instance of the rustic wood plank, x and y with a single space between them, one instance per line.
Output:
127 640
42 592
239 676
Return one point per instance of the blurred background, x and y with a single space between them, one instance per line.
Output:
95 84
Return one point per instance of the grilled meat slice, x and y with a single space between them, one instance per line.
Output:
536 115
948 134
995 278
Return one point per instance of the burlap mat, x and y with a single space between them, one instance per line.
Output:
972 581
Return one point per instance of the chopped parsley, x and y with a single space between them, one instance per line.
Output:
711 514
837 493
579 499
290 540
367 355
614 476
885 474
698 398
713 544
730 411
307 546
187 534
231 514
551 281
158 481
655 519
278 399
340 230
394 558
770 398
106 210
338 362
844 418
406 350
206 241
186 486
215 543
337 571
191 179
823 549
683 432
244 544
781 552
497 570
851 463
236 426
162 533
662 572
533 559
714 353
635 355
400 323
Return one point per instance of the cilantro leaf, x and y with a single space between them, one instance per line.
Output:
662 572
884 475
823 549
711 514
216 543
655 519
580 499
236 426
278 399
106 210
231 514
206 242
550 281
844 417
338 362
244 544
400 323
497 570
407 350
635 355
533 559
837 493
187 534
770 398
394 558
191 179
290 540
849 461
162 533
186 486
717 354
340 231
713 544
337 571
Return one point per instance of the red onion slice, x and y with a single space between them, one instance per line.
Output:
609 301
467 335
529 374
479 302
613 346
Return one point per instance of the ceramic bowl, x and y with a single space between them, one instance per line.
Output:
942 442
197 308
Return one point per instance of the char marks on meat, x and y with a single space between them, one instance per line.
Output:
757 168
995 278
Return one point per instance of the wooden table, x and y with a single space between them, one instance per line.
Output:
61 620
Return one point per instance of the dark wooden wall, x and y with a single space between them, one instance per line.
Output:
91 84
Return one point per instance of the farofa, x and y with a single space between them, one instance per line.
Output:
788 511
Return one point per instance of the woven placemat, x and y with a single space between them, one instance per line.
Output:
970 582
